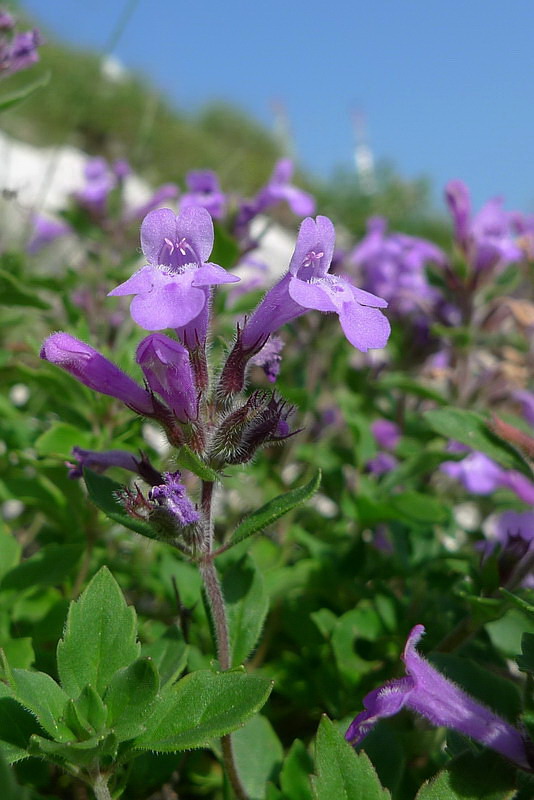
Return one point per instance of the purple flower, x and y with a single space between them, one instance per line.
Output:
45 231
170 288
485 239
278 189
20 52
393 267
479 474
7 21
172 496
429 693
101 461
91 368
309 285
204 191
386 433
121 169
167 368
382 463
99 182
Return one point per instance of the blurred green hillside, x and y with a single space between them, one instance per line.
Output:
127 117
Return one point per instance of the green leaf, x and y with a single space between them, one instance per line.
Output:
275 509
10 788
17 725
79 753
15 98
362 622
472 430
19 652
484 777
225 248
91 708
187 459
9 552
247 604
525 661
59 440
13 293
77 723
169 654
258 755
130 698
295 774
103 492
99 639
524 605
41 695
341 772
202 706
398 380
418 508
414 467
50 566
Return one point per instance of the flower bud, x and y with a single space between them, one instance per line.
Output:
90 367
167 368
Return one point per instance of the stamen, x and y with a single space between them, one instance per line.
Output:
311 257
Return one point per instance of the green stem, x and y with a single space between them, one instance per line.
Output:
218 610
100 787
215 597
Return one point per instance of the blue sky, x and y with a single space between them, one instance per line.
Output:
446 87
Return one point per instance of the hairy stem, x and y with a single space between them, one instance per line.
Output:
100 787
218 611
215 597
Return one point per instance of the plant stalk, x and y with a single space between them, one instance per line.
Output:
100 787
215 597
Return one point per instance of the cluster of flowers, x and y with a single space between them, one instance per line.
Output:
17 50
203 190
173 290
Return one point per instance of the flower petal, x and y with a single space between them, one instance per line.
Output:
195 225
364 327
142 281
157 226
327 238
311 295
211 274
368 299
306 241
383 702
169 306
